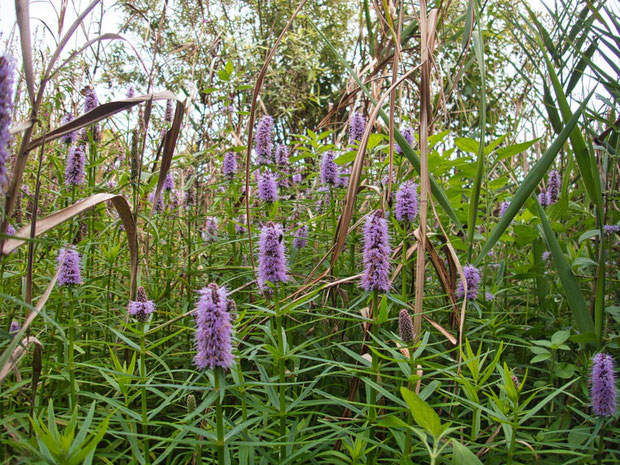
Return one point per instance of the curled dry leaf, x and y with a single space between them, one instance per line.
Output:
17 355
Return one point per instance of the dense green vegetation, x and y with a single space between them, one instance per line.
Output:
335 232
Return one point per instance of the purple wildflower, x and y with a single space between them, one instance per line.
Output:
405 327
131 92
262 141
408 134
69 261
300 238
141 308
329 169
297 178
14 327
229 165
74 169
472 277
6 112
489 296
543 198
282 155
71 137
168 114
376 254
407 202
503 207
357 126
343 177
213 329
10 230
271 260
267 188
553 191
168 183
546 256
90 100
159 206
240 225
611 228
603 386
111 184
210 231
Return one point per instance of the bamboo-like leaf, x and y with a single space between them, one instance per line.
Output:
49 222
530 182
574 297
103 111
22 13
582 156
476 188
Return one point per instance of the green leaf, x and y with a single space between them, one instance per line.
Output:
461 455
467 144
541 358
574 296
560 337
229 67
223 75
423 414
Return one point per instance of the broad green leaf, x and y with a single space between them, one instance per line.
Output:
422 413
461 455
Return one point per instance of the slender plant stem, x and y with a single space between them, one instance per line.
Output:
408 434
71 348
372 410
281 372
219 419
145 443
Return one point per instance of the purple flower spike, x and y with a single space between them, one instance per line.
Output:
6 113
74 169
69 261
408 134
71 137
262 141
405 327
213 329
10 230
297 178
282 155
14 327
267 187
210 232
489 296
159 206
503 207
357 127
300 239
168 114
553 191
229 164
611 228
141 308
546 256
406 209
240 225
329 169
376 254
131 92
603 386
472 276
168 183
271 260
543 198
90 100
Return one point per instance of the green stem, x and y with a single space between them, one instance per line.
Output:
219 419
372 410
403 272
281 373
145 444
71 348
408 434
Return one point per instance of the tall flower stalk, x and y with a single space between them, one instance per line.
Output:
272 268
